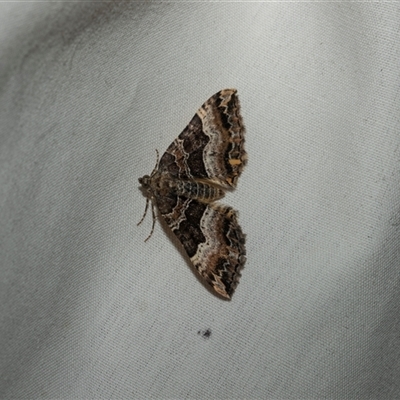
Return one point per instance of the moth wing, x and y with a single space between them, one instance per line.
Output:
213 239
211 147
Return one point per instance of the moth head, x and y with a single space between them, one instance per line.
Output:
145 181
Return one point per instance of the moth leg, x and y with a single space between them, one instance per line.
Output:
154 221
145 212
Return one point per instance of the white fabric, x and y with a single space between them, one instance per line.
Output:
88 91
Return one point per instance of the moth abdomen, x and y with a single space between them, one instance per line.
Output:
199 191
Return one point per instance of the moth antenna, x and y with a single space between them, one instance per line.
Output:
156 167
145 212
154 222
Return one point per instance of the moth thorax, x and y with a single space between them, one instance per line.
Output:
199 190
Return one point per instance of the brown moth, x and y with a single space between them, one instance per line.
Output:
200 165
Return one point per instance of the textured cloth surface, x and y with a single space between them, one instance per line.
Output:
89 91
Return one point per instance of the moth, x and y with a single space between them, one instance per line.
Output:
200 165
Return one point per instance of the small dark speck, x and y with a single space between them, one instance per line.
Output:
205 334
